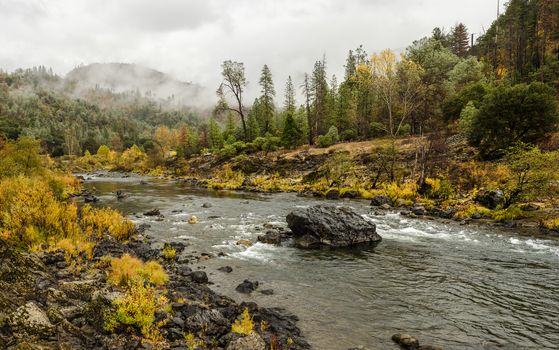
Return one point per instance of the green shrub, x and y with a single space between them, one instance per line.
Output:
329 139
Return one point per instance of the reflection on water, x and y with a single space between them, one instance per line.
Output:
458 287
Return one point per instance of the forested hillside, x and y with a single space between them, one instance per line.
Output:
35 102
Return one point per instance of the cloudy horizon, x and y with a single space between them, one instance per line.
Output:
189 39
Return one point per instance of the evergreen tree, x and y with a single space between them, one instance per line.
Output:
319 90
289 101
229 127
311 133
215 138
267 101
253 129
350 66
291 135
459 40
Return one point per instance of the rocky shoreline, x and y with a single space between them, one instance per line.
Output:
49 304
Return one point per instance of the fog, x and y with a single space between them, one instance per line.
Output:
188 39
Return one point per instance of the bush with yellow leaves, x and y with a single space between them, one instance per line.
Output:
136 309
226 178
98 222
245 325
128 269
30 213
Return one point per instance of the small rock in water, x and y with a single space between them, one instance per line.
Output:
247 287
244 242
199 277
91 199
406 341
226 269
206 205
153 212
193 220
267 291
121 195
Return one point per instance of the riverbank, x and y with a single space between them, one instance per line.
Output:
455 186
48 303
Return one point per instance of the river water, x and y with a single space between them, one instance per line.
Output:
458 287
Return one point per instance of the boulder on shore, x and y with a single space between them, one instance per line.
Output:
330 226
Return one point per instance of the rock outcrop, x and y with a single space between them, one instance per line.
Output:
330 226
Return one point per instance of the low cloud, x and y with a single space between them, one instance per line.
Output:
190 39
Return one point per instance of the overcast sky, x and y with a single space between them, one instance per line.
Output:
189 38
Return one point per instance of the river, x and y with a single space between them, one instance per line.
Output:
458 287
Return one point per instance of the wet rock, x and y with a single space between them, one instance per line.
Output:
142 228
206 205
530 207
90 199
244 242
447 213
143 250
406 341
120 194
226 269
333 194
30 319
380 200
270 237
267 291
350 194
110 247
247 287
330 226
199 277
252 341
152 212
419 210
490 199
193 220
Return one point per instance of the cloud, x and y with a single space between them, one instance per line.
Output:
190 38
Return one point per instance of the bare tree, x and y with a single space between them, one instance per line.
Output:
234 83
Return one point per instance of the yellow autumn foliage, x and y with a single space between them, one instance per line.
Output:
127 270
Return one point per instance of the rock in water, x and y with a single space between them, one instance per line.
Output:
330 226
153 212
193 220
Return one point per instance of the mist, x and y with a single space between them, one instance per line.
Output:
188 40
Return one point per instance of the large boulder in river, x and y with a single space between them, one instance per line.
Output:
330 226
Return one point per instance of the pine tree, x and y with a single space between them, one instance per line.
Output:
267 101
350 66
291 135
459 40
319 89
253 129
229 127
289 101
215 138
310 118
